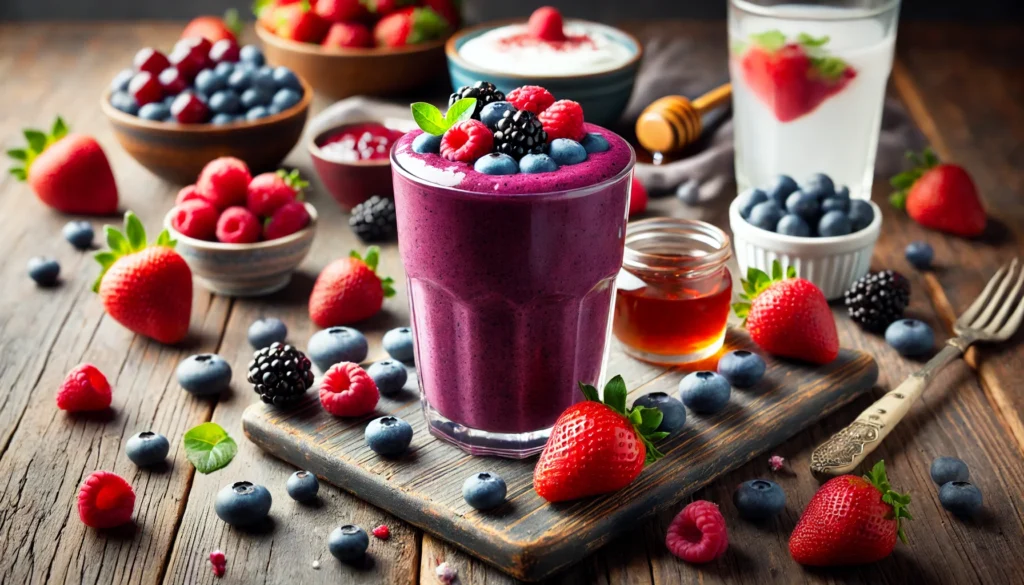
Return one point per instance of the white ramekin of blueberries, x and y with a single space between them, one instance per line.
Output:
813 226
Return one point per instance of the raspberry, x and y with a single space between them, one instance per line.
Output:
467 141
532 98
267 192
288 219
224 182
218 562
546 24
105 500
84 388
195 218
188 193
776 462
563 119
347 390
382 532
238 225
697 534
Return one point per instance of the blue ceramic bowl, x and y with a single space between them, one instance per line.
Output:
603 95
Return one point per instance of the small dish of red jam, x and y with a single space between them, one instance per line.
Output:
364 141
675 291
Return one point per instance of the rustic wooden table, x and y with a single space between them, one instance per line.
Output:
964 88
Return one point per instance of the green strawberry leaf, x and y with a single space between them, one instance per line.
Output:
106 259
232 21
808 41
134 232
650 418
644 419
898 501
58 131
428 118
293 179
372 257
770 41
124 243
36 140
460 111
427 25
615 394
388 284
260 5
589 392
776 271
903 182
164 239
741 310
209 447
18 173
116 241
757 282
18 154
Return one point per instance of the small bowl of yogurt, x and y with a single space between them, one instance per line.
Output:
590 63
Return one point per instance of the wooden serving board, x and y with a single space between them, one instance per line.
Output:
527 537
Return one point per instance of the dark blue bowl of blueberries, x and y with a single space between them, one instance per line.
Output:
196 110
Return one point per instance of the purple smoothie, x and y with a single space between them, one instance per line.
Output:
511 280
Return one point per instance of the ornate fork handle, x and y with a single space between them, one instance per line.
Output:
845 450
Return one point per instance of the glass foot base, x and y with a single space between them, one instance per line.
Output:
483 443
675 360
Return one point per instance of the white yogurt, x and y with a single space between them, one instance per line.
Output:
591 48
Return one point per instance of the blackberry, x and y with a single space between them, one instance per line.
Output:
484 92
280 374
518 134
878 299
374 220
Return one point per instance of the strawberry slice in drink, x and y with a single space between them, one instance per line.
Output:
793 78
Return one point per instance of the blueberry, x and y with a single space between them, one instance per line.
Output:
910 337
742 368
496 163
962 498
835 204
266 330
765 215
168 101
750 198
156 111
348 543
263 78
43 270
389 376
833 223
257 113
567 152
124 102
242 503
689 192
793 225
224 69
492 113
388 436
704 392
225 101
205 374
819 185
146 449
121 80
207 82
759 499
240 79
484 490
221 119
919 254
593 142
251 54
803 204
427 144
842 193
335 345
537 163
672 410
860 214
780 189
284 78
947 469
398 343
79 234
254 96
285 98
302 486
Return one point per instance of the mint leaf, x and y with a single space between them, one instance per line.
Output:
460 111
428 118
615 394
771 40
209 447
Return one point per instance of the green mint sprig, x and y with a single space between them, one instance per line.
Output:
209 447
432 121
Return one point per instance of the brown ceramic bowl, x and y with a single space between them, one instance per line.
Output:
177 152
350 183
342 73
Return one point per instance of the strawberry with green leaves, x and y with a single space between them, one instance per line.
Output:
597 447
410 26
349 290
147 288
850 521
68 172
788 316
298 22
939 196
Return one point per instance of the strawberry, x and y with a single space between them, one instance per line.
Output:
939 196
299 23
382 8
448 9
68 172
597 447
789 316
148 289
349 290
850 521
214 28
409 26
347 35
793 78
546 24
286 220
269 191
340 10
637 197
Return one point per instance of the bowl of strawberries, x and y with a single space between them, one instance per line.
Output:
242 235
358 47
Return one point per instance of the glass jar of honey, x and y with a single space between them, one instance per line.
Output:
674 291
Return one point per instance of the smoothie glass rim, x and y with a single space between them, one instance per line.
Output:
848 13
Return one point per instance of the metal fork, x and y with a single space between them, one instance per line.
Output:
993 317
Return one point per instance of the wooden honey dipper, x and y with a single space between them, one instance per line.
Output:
672 122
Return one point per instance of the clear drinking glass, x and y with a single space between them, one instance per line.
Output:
808 82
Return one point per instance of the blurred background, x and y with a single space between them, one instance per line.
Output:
481 10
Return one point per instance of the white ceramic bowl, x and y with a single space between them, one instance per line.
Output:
833 264
245 270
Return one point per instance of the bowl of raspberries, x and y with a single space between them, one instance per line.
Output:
359 47
174 112
242 235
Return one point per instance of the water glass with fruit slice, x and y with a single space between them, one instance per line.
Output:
808 85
